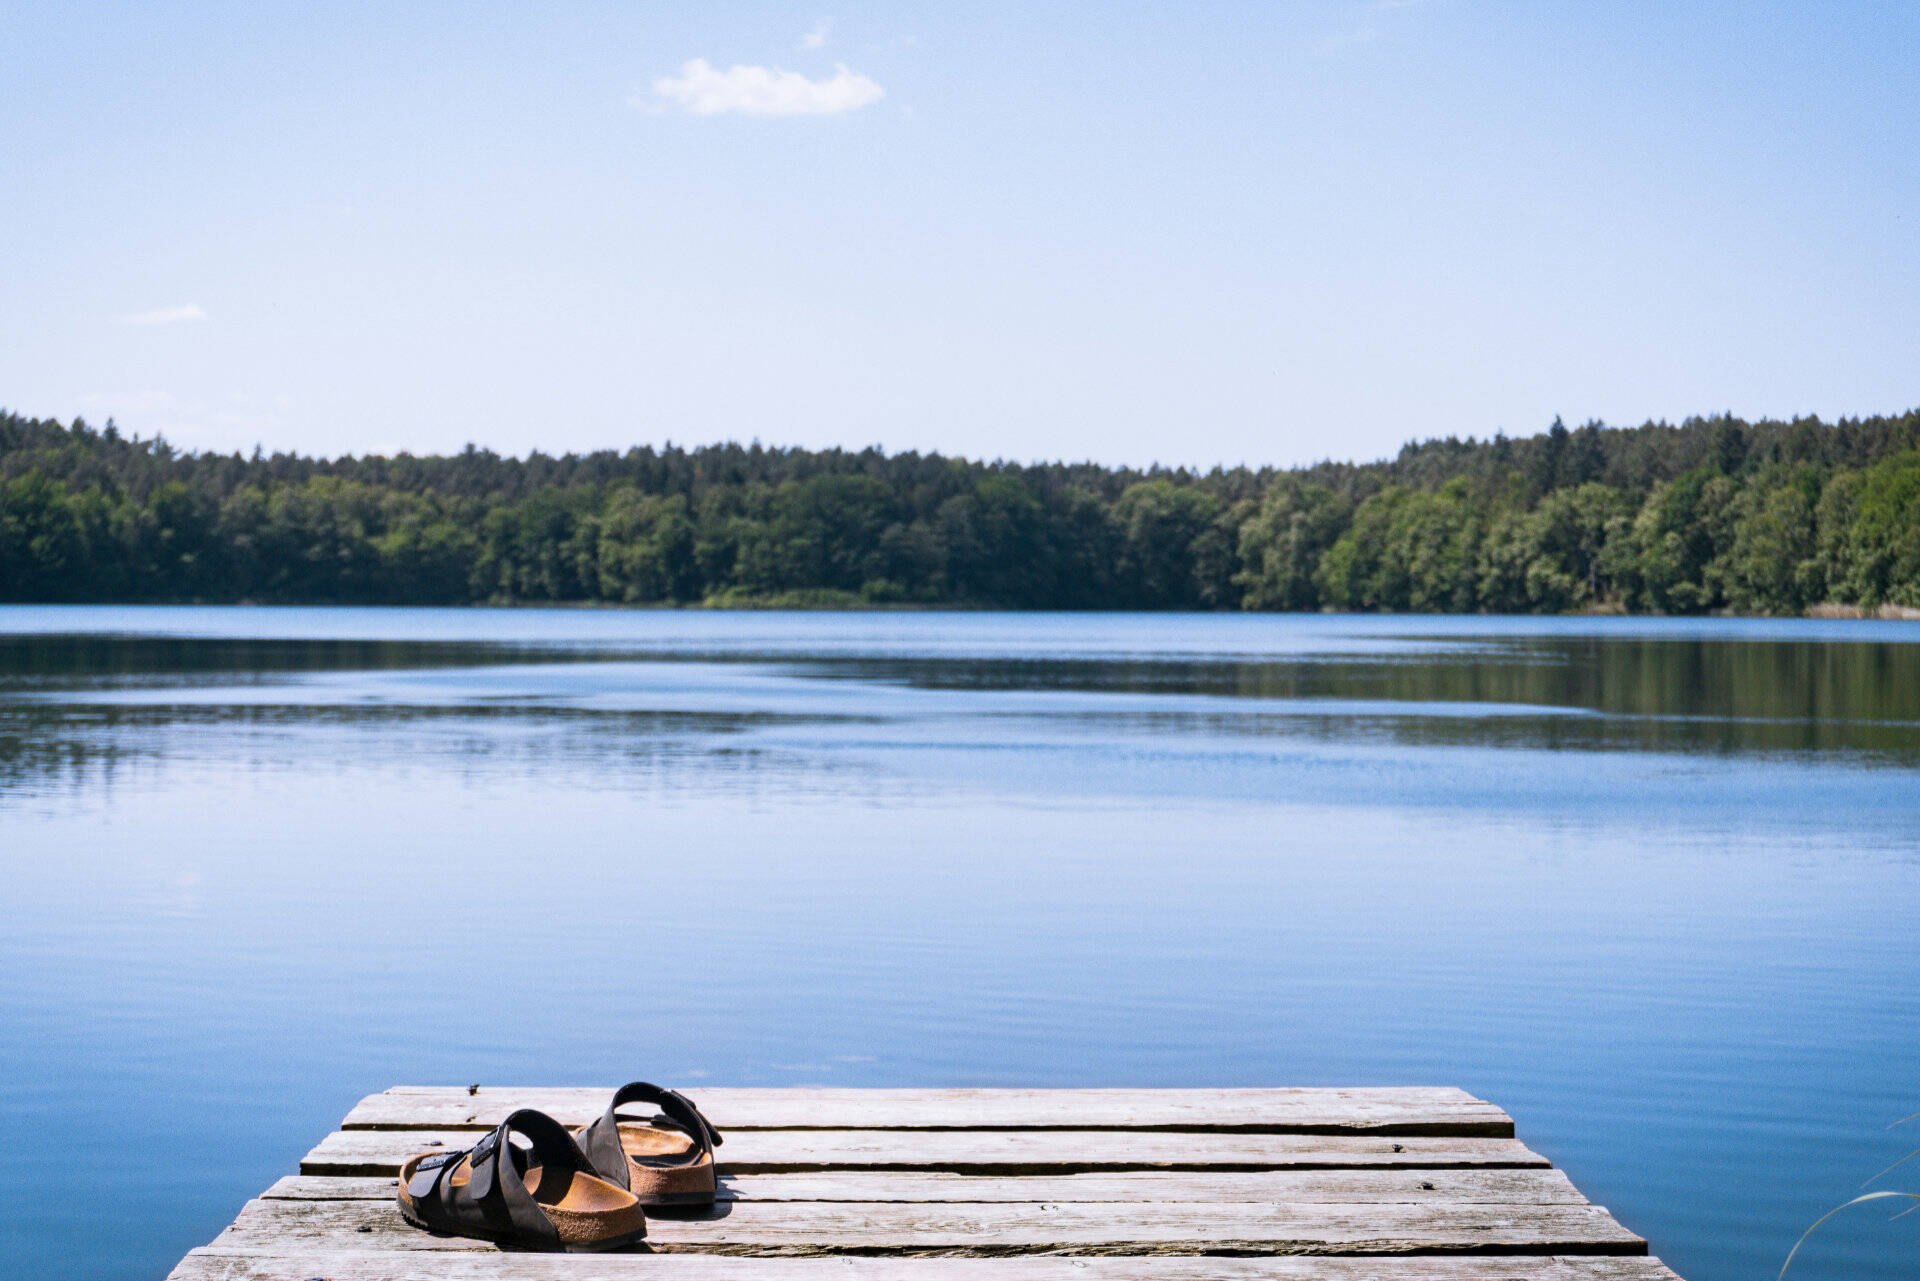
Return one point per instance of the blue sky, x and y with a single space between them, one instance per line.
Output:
1186 233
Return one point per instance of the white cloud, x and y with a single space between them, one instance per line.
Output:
702 89
817 38
186 313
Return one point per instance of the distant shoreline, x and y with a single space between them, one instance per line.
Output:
1829 611
1713 517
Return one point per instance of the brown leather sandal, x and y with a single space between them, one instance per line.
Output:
544 1197
666 1160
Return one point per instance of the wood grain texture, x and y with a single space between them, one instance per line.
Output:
221 1263
992 1229
1400 1111
989 1152
1467 1187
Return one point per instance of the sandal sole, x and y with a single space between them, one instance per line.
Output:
581 1247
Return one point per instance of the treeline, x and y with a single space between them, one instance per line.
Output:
1710 515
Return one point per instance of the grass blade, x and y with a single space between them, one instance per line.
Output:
1870 1196
1890 1169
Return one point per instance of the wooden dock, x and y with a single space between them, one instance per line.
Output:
990 1185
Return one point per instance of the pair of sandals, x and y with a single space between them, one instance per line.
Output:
585 1190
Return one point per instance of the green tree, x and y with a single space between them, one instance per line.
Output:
1282 542
646 548
46 551
1771 564
1869 539
1406 549
1677 534
1160 524
539 548
427 554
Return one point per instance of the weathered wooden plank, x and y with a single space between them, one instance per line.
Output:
370 1152
977 1229
220 1263
1398 1110
1136 1185
1354 1187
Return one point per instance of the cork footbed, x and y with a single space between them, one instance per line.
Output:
666 1184
588 1212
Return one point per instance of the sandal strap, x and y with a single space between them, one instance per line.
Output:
428 1190
495 1189
600 1141
495 1198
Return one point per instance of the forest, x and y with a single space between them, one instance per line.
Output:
1714 515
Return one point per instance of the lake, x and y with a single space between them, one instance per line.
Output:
1653 886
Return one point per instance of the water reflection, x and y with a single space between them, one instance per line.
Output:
90 660
70 703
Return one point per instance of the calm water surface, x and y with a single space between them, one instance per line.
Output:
1651 886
